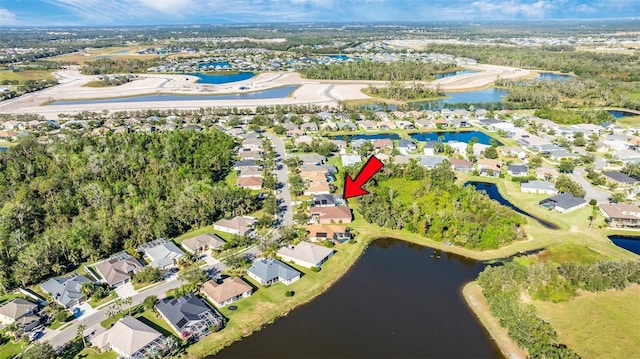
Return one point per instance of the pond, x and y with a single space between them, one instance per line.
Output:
222 78
455 73
553 76
373 136
339 57
492 191
3 149
620 114
462 136
278 92
630 243
400 300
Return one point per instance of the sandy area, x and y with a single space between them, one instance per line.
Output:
323 92
475 300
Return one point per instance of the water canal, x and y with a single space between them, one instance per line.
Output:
399 300
632 244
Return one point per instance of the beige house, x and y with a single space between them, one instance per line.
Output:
228 291
203 242
241 225
306 254
118 269
129 338
20 311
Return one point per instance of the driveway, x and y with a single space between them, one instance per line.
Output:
126 290
592 192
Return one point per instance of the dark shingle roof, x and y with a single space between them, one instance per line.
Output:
180 311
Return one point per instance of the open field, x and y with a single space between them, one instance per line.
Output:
23 76
598 325
106 52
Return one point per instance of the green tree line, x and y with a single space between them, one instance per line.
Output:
378 71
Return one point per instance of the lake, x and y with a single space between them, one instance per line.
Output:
222 78
278 92
455 73
462 136
399 300
621 114
492 191
373 136
3 149
553 76
629 243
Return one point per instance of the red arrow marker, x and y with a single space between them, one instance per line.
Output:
353 188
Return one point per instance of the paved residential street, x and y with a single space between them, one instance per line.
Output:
282 175
592 192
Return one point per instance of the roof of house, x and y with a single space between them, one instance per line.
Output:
565 200
517 168
406 143
538 185
460 162
238 223
430 161
318 186
335 212
18 308
268 269
203 240
118 269
306 252
327 198
620 177
180 311
348 160
621 210
163 253
65 290
249 181
230 287
128 335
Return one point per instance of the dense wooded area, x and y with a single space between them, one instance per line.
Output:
438 208
503 286
86 197
117 66
406 92
378 71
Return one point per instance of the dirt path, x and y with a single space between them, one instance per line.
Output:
476 301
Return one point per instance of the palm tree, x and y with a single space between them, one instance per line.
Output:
87 289
80 333
128 301
172 344
14 329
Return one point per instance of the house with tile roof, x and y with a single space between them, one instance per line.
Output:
306 254
227 291
20 311
203 242
130 338
118 269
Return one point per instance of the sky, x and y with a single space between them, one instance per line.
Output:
156 12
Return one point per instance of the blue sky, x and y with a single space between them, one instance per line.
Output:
148 12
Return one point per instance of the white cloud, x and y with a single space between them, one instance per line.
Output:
515 8
315 3
7 17
584 8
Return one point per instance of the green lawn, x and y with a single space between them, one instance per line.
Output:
156 322
96 303
598 325
9 349
203 230
25 75
108 323
92 354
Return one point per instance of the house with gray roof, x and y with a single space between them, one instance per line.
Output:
203 242
430 162
20 311
620 178
269 271
130 338
161 253
538 187
306 254
562 154
405 146
189 316
563 202
323 200
518 170
65 291
118 269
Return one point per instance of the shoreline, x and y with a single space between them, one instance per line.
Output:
477 303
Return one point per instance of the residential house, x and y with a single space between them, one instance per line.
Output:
406 146
350 160
620 178
382 144
189 316
405 125
250 172
323 200
245 163
334 233
130 339
401 159
240 225
161 253
431 162
328 215
65 290
460 165
368 125
203 243
621 215
227 291
311 159
513 151
268 271
253 143
538 187
518 170
425 123
118 269
309 127
489 167
250 155
546 173
20 311
253 183
340 144
563 202
306 254
317 187
562 154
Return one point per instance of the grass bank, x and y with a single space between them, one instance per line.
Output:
25 75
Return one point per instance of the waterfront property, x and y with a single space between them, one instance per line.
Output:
65 291
306 254
269 271
161 253
20 311
130 338
323 232
227 291
621 215
538 187
189 316
563 202
118 269
203 242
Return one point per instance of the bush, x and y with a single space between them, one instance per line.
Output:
329 244
289 293
315 269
